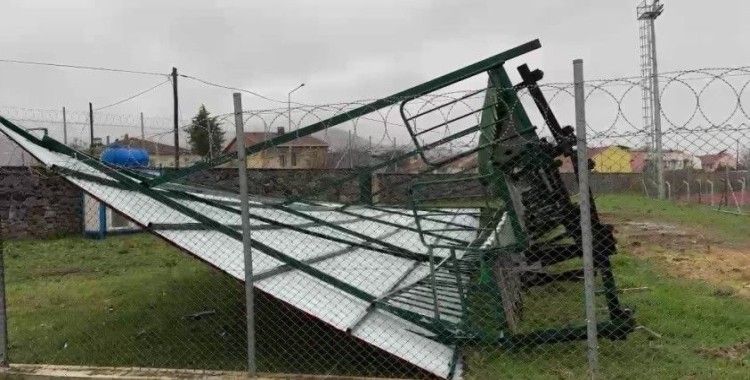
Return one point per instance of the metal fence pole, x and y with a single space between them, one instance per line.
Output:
244 206
176 121
65 128
91 127
3 314
700 190
143 132
586 234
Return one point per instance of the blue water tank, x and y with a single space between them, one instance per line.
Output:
125 156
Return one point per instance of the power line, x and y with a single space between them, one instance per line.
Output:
232 88
327 106
80 67
133 96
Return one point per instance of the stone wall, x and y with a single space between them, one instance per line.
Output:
282 183
35 203
400 188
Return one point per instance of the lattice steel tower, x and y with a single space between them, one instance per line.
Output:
647 13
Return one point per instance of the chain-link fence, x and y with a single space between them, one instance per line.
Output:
435 233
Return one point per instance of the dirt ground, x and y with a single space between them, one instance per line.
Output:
735 352
688 253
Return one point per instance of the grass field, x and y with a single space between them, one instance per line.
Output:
731 229
134 300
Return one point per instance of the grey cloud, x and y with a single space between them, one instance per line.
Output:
342 49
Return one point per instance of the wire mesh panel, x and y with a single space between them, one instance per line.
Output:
655 186
435 233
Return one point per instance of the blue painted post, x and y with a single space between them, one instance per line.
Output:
102 221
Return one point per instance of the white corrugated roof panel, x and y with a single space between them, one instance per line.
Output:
363 265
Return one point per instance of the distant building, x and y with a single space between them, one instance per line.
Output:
717 161
160 155
622 159
305 152
678 160
611 159
466 164
607 159
671 158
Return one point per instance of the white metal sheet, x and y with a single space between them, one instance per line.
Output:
369 270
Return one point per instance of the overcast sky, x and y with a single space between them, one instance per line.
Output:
341 49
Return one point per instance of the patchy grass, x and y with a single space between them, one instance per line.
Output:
692 302
127 301
137 301
692 323
724 228
685 241
119 301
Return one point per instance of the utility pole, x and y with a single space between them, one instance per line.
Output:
65 128
176 120
647 13
143 133
91 127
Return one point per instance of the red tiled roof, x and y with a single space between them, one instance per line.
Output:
152 147
252 138
709 160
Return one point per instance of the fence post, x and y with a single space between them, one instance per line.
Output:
247 253
700 190
3 314
176 122
585 206
143 131
91 127
65 128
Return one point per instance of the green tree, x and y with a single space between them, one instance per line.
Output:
205 134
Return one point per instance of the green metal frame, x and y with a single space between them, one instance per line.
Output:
468 274
416 91
130 184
